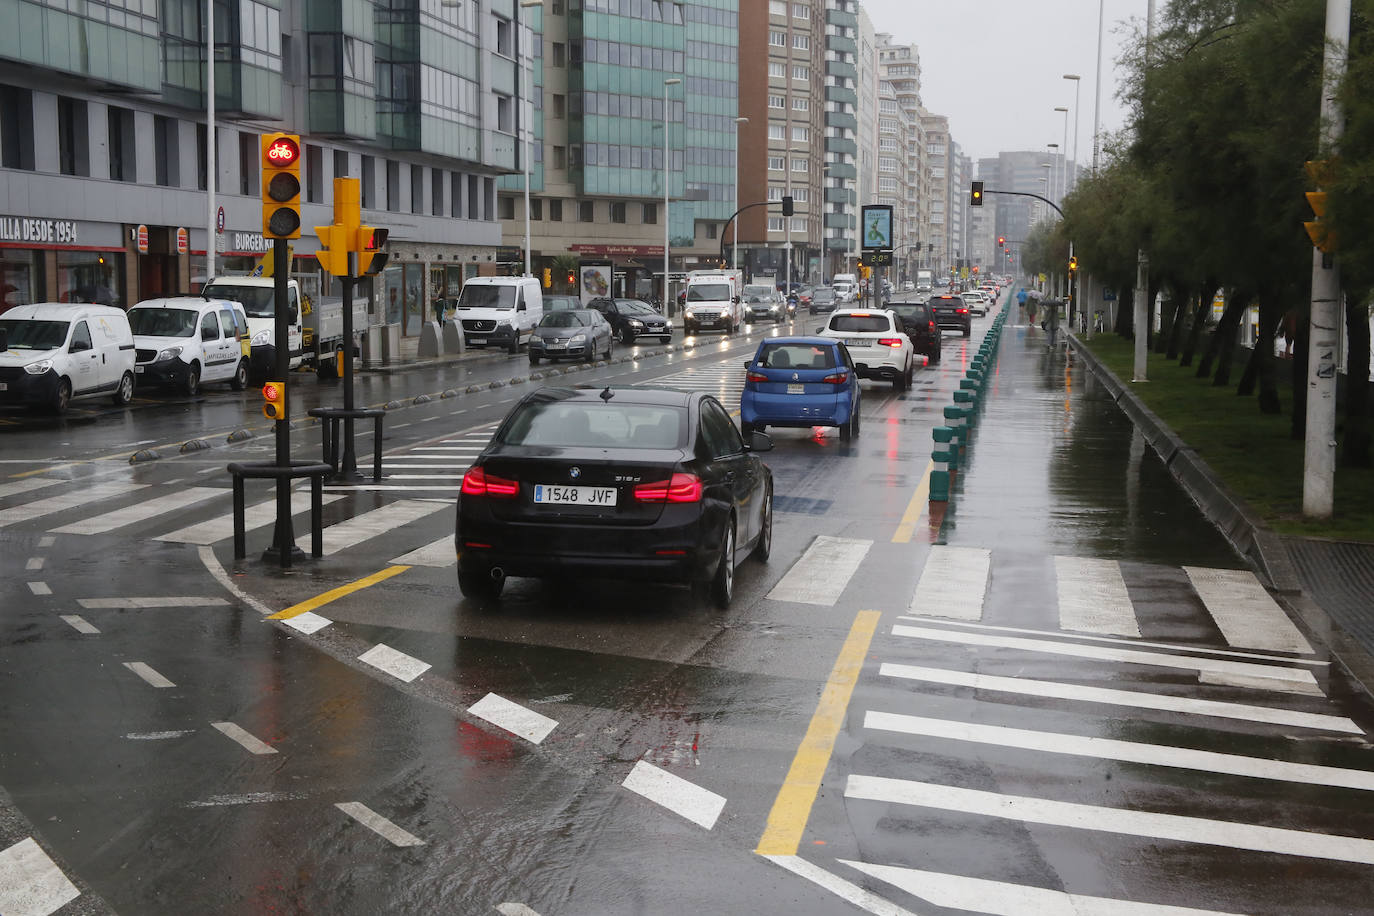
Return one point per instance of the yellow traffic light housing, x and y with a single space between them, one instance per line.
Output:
1321 237
1073 263
274 400
548 278
370 243
281 186
333 253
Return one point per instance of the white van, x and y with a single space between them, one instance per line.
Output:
188 340
55 351
499 311
846 287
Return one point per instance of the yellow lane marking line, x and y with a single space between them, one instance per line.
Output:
915 508
334 594
792 807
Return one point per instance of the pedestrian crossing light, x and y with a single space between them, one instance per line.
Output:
975 196
274 400
281 186
370 243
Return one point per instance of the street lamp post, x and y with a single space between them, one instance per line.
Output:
734 252
212 226
667 289
1064 162
1077 84
787 226
1053 149
525 147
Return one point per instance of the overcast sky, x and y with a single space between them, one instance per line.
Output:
996 67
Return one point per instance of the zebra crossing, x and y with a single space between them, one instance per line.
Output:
1023 713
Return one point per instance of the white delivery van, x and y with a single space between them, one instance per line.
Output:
712 301
499 311
55 351
846 287
187 340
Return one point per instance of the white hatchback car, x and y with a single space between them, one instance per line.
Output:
977 302
877 344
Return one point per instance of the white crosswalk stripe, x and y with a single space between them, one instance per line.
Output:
255 516
140 511
75 498
378 521
1093 597
954 583
1244 612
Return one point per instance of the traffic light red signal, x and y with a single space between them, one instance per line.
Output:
370 245
281 186
1001 241
274 400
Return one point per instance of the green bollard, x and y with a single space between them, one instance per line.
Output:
939 486
945 441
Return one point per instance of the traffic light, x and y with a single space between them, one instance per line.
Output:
1073 262
281 186
787 206
370 244
1319 170
274 400
572 277
975 196
333 252
1001 241
548 278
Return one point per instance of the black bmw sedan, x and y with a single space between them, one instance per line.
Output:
629 483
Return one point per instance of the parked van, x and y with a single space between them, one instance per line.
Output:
57 351
189 340
846 287
499 311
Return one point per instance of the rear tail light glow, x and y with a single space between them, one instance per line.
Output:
838 378
756 377
890 342
477 482
963 311
681 488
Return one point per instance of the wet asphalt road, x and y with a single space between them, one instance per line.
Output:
151 800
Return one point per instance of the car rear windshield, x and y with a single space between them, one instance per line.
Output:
797 356
860 323
159 322
34 335
708 292
561 423
910 312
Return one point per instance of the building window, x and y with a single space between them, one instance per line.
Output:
801 42
801 103
72 133
166 151
122 145
775 163
455 195
775 192
474 198
436 192
417 189
369 182
711 230
560 54
798 224
618 212
314 174
560 106
560 157
775 224
801 11
801 195
801 134
801 165
650 214
777 69
340 163
555 211
504 43
16 128
536 209
887 164
777 39
393 185
202 158
777 101
586 211
777 132
505 121
507 205
802 74
777 7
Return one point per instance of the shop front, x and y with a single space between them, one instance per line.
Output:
56 260
422 281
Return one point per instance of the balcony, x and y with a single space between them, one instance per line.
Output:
840 145
841 94
842 69
838 119
842 19
842 44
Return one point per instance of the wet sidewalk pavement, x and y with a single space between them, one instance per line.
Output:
1065 460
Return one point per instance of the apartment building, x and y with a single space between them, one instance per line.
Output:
105 149
900 75
937 230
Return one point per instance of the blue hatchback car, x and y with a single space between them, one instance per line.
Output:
801 382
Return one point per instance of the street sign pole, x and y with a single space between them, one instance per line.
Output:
348 463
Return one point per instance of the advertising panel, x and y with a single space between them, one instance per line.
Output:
593 280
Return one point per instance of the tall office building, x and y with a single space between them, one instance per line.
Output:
900 70
938 151
104 146
599 166
867 138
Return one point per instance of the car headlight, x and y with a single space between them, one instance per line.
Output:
169 353
636 323
38 368
261 339
577 339
503 324
690 313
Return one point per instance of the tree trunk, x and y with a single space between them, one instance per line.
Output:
1204 308
1181 312
1167 316
1355 444
1225 331
1259 369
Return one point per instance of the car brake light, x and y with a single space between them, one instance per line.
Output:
963 311
890 342
839 378
932 325
682 488
477 482
756 377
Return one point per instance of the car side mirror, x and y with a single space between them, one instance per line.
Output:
759 442
748 363
820 330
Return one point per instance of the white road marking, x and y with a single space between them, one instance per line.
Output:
513 717
28 485
1131 698
40 588
397 664
1280 676
159 736
1134 643
1093 596
246 798
1244 612
47 540
307 623
211 564
845 890
446 449
822 573
34 563
1175 827
148 674
440 553
698 805
378 521
243 738
92 604
998 898
79 624
139 512
422 476
258 515
1125 751
510 909
954 583
1256 683
378 824
31 884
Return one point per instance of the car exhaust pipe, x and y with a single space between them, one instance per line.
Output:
497 574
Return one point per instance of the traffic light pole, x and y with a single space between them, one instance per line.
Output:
348 462
283 547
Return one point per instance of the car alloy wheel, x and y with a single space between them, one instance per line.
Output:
240 379
125 392
764 546
192 383
723 583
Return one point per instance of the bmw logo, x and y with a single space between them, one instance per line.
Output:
574 472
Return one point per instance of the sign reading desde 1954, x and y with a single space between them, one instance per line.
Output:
876 220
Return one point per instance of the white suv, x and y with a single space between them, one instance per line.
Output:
877 343
977 302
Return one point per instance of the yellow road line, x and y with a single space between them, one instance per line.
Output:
907 526
792 807
334 594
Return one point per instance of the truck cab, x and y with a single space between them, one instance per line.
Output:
257 295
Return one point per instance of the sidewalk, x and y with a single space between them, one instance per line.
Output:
1329 583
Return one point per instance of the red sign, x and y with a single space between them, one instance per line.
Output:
628 250
283 152
142 239
183 240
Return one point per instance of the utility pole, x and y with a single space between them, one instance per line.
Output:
1141 317
1319 451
